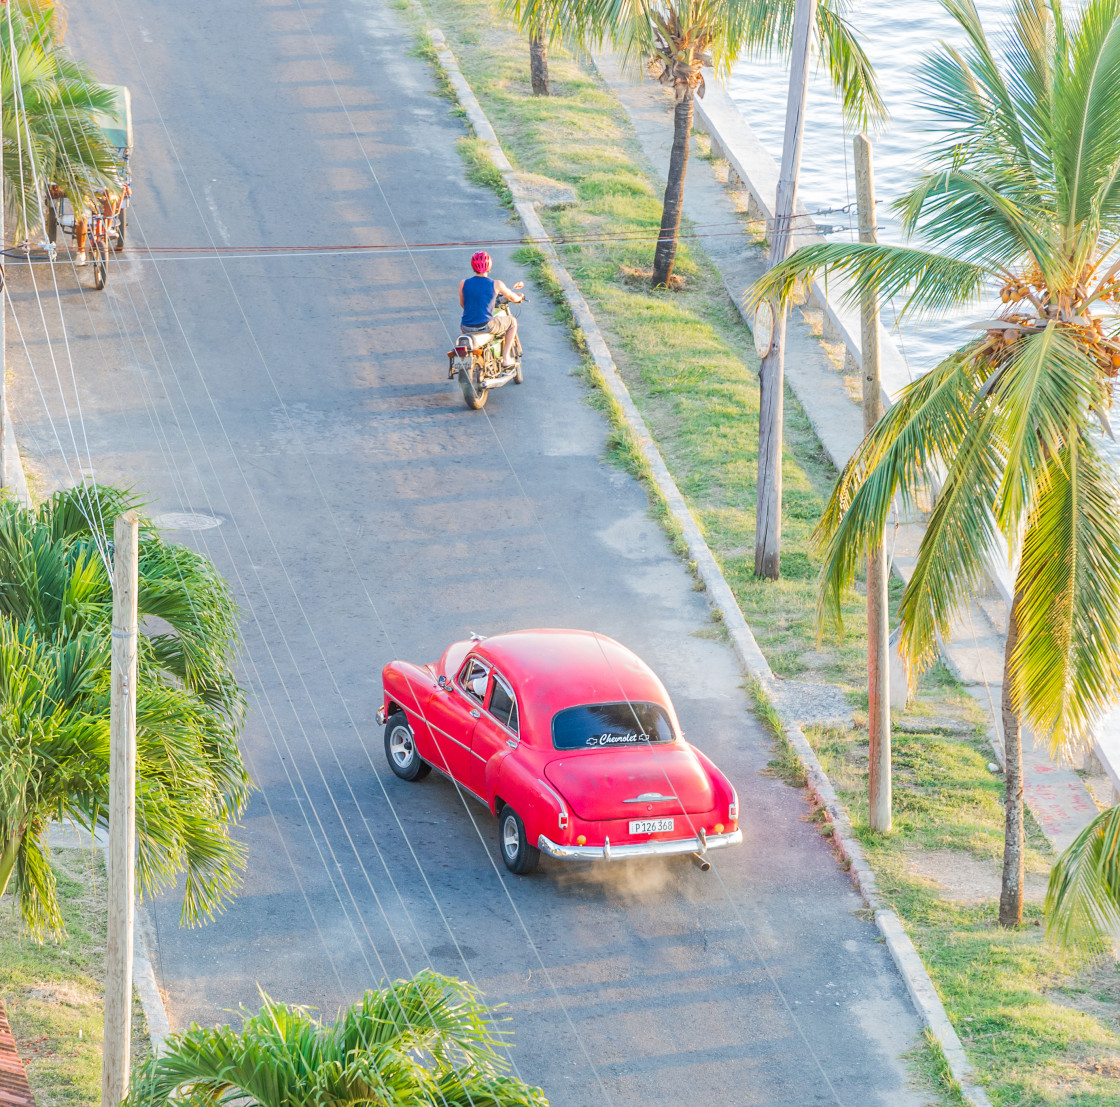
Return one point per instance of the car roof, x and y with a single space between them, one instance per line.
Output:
554 669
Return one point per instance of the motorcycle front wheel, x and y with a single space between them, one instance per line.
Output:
470 381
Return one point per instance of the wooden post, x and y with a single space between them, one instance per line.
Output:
768 514
122 815
878 634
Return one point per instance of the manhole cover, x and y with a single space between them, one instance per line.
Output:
186 520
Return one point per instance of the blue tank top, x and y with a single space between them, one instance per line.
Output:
479 297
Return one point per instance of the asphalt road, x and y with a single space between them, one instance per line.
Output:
364 514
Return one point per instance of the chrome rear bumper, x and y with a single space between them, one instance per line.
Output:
663 848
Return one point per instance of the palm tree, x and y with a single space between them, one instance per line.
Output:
429 1040
543 26
55 647
48 124
1022 194
676 39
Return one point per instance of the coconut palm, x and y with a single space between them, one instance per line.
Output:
55 648
49 130
676 39
1021 195
543 26
429 1040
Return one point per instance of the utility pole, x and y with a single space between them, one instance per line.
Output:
878 635
768 514
122 814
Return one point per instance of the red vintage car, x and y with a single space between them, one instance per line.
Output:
568 738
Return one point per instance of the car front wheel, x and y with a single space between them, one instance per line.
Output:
519 855
400 749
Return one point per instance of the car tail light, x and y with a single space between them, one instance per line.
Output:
563 820
718 828
581 840
733 806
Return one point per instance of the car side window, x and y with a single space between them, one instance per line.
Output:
502 704
472 678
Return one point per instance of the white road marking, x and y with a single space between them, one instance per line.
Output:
210 203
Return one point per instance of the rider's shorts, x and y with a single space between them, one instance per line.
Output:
498 324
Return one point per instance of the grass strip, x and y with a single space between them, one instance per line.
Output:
54 991
1026 1015
1038 1025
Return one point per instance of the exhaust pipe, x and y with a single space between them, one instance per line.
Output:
700 861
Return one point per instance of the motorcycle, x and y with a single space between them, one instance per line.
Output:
477 360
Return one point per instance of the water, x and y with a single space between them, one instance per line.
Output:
897 38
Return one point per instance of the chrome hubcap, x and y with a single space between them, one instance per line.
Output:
400 746
511 840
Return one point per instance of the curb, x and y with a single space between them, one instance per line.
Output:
922 992
13 477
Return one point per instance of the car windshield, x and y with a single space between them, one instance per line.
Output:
607 725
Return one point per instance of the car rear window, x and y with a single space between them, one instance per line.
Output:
610 725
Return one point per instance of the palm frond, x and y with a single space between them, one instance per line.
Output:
55 635
1065 669
932 283
850 69
957 546
1083 897
968 88
902 456
424 1042
984 222
1044 392
431 1013
469 1088
49 129
1085 100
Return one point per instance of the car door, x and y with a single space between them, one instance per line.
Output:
496 730
453 713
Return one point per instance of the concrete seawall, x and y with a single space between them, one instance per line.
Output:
735 142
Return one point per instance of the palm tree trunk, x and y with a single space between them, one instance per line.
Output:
666 253
538 64
1011 892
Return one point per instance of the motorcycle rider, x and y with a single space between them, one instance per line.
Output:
477 296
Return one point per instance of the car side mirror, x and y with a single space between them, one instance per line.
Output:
443 683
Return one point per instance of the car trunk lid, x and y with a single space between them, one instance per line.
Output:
630 783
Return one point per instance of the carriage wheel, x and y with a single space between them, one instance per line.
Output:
100 265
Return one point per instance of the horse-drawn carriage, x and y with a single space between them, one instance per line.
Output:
103 219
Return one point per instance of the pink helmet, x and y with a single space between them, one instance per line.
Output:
480 262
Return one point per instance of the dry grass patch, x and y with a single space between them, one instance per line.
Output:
53 991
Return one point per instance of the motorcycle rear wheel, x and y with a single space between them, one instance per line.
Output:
470 381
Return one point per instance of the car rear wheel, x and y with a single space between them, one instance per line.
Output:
519 856
400 749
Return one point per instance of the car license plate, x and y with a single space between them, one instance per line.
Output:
650 826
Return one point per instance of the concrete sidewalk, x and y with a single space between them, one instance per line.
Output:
815 371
